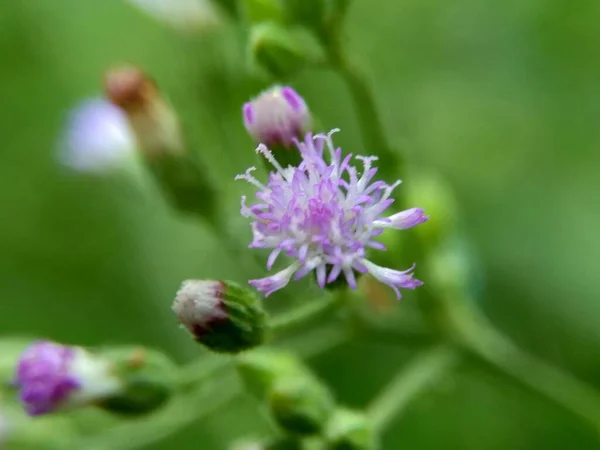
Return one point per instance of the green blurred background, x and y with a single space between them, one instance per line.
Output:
502 98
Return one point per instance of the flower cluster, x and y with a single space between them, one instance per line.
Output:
325 216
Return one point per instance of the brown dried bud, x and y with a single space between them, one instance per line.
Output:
152 119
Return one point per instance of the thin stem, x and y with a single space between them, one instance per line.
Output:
549 381
308 312
200 370
369 120
410 382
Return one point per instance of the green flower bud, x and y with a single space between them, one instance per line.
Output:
435 196
301 405
453 267
221 315
350 430
261 368
282 51
148 380
157 130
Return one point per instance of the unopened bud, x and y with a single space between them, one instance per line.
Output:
157 130
51 376
282 51
301 405
152 119
221 315
147 377
435 196
193 16
350 430
261 368
276 117
454 267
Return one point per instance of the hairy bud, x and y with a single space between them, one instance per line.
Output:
301 405
221 315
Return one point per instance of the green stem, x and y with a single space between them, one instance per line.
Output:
308 312
411 381
369 120
200 370
549 381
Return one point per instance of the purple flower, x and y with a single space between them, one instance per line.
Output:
324 216
97 138
277 117
51 376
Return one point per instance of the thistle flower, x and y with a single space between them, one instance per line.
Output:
51 376
277 117
324 216
97 138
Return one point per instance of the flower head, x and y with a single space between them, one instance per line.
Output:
322 214
277 116
97 138
51 376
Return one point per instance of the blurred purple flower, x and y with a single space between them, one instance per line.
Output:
97 138
50 376
276 117
324 216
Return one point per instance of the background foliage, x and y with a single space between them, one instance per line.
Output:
502 98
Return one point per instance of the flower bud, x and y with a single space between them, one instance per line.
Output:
261 368
300 405
152 119
453 266
221 315
276 117
350 430
97 139
51 376
435 196
194 16
282 51
157 131
148 379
